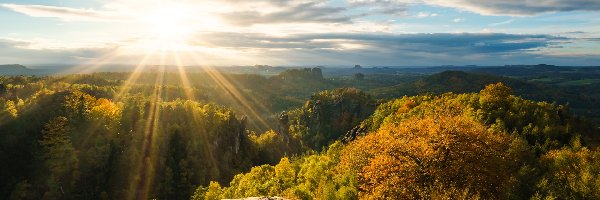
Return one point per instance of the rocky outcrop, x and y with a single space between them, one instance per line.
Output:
261 198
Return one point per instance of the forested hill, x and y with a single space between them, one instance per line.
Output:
71 145
14 70
450 81
486 145
582 99
99 137
537 71
156 136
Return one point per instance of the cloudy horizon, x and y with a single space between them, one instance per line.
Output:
306 32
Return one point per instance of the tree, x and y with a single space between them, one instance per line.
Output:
570 174
107 112
9 110
177 173
417 157
272 146
328 115
496 100
309 177
78 106
497 93
212 192
3 89
60 158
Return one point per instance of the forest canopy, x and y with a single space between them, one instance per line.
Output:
297 135
489 145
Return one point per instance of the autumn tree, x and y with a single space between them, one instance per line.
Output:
411 159
569 174
9 110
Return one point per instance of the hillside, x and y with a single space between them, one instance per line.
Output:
14 69
584 100
452 81
485 145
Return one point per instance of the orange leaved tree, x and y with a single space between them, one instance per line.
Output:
428 158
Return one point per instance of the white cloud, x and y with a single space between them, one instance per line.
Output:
502 22
34 52
518 7
388 7
458 20
426 14
233 11
64 13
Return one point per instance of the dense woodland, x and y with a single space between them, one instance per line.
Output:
213 135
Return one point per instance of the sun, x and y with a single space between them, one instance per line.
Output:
168 24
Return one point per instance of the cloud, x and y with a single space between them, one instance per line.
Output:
304 12
502 22
307 31
407 49
331 49
235 12
442 43
63 13
6 42
26 52
426 14
458 20
518 7
249 12
388 7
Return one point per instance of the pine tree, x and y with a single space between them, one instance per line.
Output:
60 159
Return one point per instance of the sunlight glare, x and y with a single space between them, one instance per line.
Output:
170 24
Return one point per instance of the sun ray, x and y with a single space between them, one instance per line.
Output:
91 66
66 75
185 81
145 172
234 92
124 89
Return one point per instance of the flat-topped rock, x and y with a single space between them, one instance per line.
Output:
260 198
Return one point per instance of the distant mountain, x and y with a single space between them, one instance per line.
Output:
542 70
451 81
16 69
583 100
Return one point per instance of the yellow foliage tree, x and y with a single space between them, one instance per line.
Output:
570 174
417 157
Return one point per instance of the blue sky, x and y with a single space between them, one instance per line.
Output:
306 32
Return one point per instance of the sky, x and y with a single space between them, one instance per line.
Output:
300 33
